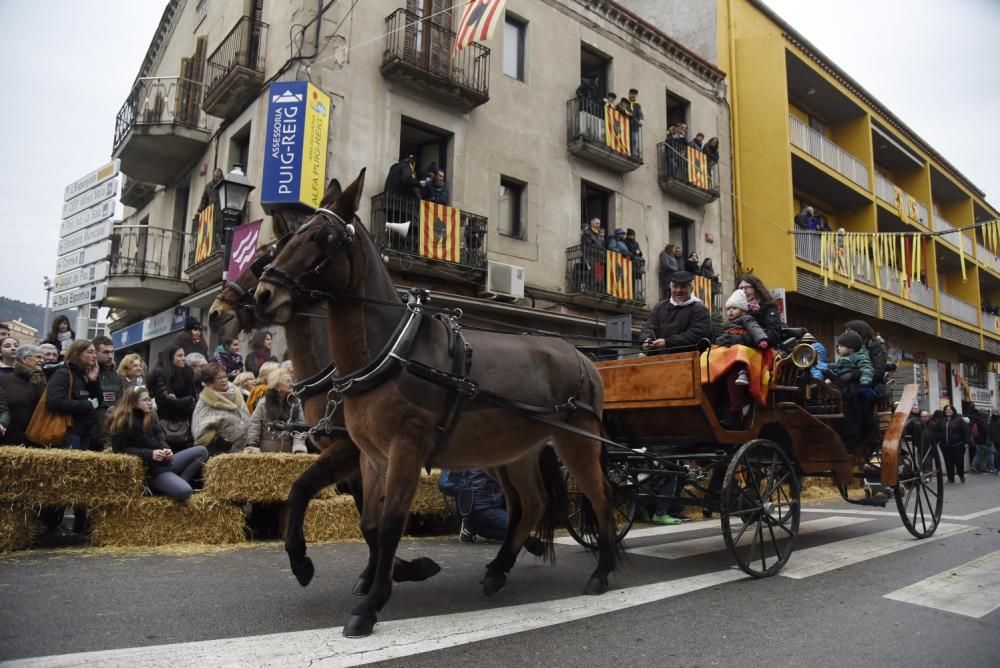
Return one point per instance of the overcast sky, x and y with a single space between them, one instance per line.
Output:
69 66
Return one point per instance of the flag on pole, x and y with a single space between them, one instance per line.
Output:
616 130
478 21
619 278
439 232
206 234
244 248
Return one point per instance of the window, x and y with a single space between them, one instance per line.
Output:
427 144
595 71
511 208
595 202
680 233
513 48
200 12
677 109
239 149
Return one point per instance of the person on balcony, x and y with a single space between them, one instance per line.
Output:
633 246
677 150
698 141
211 188
402 191
668 265
691 265
633 110
593 247
617 243
711 149
436 189
802 219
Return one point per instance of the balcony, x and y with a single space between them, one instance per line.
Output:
204 260
951 234
959 310
991 323
808 247
408 254
137 194
589 275
145 270
235 71
160 130
418 54
588 138
906 206
686 173
918 293
828 153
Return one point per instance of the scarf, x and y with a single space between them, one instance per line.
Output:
231 400
691 300
753 304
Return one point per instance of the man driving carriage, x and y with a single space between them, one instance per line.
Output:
679 321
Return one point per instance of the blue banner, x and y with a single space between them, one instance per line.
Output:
298 118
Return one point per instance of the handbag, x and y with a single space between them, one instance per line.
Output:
46 427
176 432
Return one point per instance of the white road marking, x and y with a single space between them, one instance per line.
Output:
645 532
695 546
889 513
392 639
823 558
971 590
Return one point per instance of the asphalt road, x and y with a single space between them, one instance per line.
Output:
855 592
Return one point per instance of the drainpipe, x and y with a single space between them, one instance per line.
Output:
734 138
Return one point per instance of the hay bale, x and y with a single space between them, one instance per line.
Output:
157 520
18 527
54 477
331 520
819 489
429 500
261 477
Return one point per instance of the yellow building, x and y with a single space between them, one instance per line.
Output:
806 134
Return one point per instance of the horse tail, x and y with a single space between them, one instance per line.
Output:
556 507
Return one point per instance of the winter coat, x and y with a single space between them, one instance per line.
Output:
22 388
436 193
4 410
668 265
879 358
220 414
853 367
712 152
138 441
112 387
693 267
769 319
680 325
744 331
618 246
914 430
76 402
994 431
402 181
955 433
253 362
262 432
174 400
185 341
818 370
233 362
61 341
633 247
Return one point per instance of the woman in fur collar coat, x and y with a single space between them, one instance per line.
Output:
220 417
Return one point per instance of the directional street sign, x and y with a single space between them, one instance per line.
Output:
96 177
92 273
84 256
89 198
88 217
79 296
85 237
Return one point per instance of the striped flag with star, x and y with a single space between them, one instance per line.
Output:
616 130
697 168
619 276
439 232
478 21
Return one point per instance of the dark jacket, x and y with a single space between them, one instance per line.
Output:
253 365
141 442
712 152
4 410
955 432
174 400
112 387
769 319
436 193
679 325
744 330
879 358
22 398
402 181
668 265
914 430
994 431
184 341
74 402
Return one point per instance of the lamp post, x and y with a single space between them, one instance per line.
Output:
232 194
48 302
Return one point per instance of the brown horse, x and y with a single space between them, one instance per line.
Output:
339 461
395 416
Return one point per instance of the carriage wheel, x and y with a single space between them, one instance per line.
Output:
760 507
920 490
623 510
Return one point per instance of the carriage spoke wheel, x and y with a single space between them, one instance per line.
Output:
920 490
623 511
760 507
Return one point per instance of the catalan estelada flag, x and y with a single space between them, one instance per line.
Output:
619 275
616 133
697 168
478 21
206 234
439 230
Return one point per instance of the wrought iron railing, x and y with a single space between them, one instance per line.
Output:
808 247
587 118
161 101
827 152
428 46
396 209
956 308
688 164
140 250
602 272
244 46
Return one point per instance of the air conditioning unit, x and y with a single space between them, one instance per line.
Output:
505 280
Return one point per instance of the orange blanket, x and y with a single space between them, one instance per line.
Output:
717 361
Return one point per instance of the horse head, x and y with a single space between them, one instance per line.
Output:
319 256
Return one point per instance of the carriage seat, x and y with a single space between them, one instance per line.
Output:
792 333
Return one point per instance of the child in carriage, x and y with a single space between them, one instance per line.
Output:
852 374
741 329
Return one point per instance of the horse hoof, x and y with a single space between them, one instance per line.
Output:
418 570
493 582
596 586
359 626
303 570
362 586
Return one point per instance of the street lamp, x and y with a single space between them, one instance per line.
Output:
48 301
233 192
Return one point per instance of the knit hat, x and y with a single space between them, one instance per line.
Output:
737 300
620 230
192 323
850 340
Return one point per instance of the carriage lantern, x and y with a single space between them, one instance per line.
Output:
233 193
